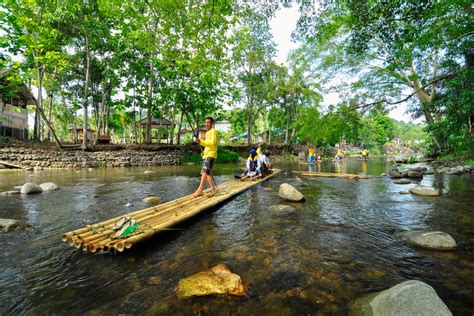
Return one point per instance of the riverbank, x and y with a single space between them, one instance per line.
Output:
114 155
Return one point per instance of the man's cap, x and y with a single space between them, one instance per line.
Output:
253 152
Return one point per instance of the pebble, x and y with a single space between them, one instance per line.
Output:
151 200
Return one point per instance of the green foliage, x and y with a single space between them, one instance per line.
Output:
389 48
377 128
223 156
4 140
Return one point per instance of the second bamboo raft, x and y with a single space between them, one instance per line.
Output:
333 175
152 220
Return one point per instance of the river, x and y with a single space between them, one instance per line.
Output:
337 246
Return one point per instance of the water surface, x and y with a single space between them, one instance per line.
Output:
337 246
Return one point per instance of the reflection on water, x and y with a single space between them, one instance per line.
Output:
338 245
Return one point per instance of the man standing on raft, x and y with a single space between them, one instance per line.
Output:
209 155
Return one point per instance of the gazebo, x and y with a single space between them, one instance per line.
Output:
77 134
156 123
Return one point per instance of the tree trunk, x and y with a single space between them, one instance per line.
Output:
50 110
178 137
39 108
249 127
39 77
172 124
135 139
86 95
160 126
149 104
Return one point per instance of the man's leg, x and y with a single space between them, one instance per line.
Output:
210 183
198 191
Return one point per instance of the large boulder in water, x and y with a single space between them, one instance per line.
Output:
216 281
288 192
30 187
394 172
49 186
430 240
414 174
407 298
7 225
423 190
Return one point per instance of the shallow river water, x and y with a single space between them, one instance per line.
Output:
337 246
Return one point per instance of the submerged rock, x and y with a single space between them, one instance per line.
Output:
402 181
431 240
216 281
10 192
7 225
30 187
151 200
404 192
281 209
407 298
423 190
289 192
49 186
414 174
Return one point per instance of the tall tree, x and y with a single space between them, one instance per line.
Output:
252 53
393 51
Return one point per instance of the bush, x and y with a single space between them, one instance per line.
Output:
223 156
4 139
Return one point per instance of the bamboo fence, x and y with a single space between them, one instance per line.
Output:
101 236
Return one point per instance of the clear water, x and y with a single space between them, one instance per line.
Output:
337 246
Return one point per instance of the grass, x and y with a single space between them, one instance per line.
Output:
223 156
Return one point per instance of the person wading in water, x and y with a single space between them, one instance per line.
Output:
209 155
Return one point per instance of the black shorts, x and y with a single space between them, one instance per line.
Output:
207 165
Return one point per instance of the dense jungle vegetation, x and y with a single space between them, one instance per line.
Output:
109 64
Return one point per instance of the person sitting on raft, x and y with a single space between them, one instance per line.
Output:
339 155
253 166
265 162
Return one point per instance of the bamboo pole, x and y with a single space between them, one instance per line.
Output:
110 222
128 243
100 240
155 218
331 175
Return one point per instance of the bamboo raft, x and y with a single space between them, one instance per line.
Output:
152 220
329 175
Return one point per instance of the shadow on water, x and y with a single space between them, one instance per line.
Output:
338 245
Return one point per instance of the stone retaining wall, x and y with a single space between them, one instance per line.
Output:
26 157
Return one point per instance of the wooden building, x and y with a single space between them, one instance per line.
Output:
13 112
77 134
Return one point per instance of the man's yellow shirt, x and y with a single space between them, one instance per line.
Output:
209 144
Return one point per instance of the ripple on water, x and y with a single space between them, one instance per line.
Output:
336 246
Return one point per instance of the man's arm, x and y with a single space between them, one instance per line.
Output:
211 140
